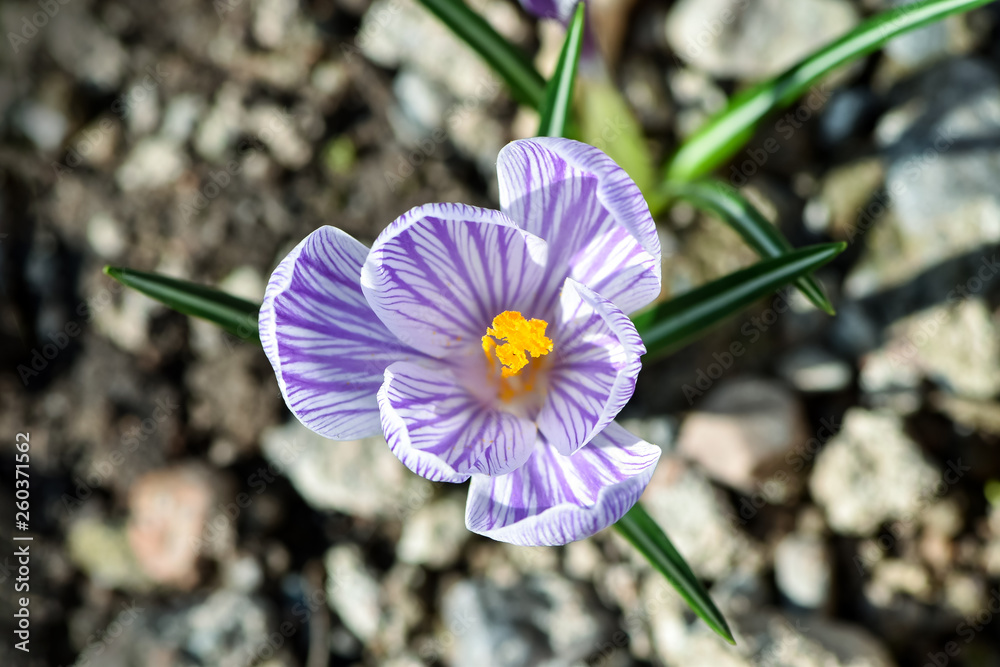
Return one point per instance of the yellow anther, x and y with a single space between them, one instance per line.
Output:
512 338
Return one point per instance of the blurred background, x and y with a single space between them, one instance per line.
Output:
835 480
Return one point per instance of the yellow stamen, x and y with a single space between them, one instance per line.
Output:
512 338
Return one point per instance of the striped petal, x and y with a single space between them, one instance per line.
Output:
597 360
554 499
442 432
592 215
328 349
561 10
439 274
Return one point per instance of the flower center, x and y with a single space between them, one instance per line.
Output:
512 338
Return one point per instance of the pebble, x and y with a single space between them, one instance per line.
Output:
803 570
743 430
358 477
941 199
871 472
434 534
546 621
169 514
102 551
753 40
813 369
104 234
43 125
957 346
352 592
155 162
700 521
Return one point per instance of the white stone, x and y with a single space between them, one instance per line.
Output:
352 591
803 570
871 472
155 162
359 477
434 534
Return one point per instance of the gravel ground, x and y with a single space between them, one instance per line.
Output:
835 480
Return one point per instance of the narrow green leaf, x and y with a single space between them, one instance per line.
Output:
525 83
607 122
235 315
559 93
646 535
727 203
725 134
669 324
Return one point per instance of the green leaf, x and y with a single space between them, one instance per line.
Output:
725 134
727 203
669 324
235 315
646 535
525 83
607 123
559 93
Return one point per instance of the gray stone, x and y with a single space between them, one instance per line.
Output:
930 43
155 162
869 473
956 346
893 576
764 637
845 193
700 521
141 107
352 591
102 551
742 431
394 33
543 620
434 534
359 477
227 629
845 114
223 629
221 125
421 105
85 48
943 163
803 569
276 129
180 117
42 124
753 40
271 21
104 234
813 369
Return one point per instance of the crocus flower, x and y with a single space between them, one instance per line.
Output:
486 345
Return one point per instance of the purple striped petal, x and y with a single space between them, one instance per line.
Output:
561 10
554 499
597 360
439 274
328 349
592 215
442 432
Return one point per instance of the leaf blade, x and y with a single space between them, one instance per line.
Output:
559 92
722 136
525 83
235 315
669 324
728 204
649 539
